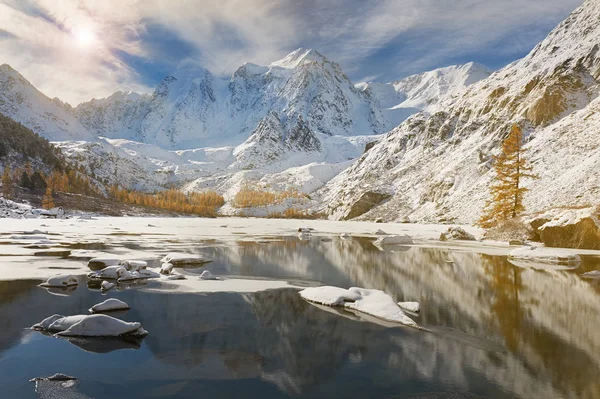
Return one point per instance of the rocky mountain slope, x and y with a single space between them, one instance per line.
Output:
435 167
50 118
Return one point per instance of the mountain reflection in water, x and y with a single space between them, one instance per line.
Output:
497 330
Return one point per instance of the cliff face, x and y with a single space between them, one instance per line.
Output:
437 166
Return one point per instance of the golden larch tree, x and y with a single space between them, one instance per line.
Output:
48 200
507 191
7 183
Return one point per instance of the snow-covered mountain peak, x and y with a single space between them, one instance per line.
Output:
299 56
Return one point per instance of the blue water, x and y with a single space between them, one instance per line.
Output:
492 334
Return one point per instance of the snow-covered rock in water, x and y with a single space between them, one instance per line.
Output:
594 274
206 275
110 305
410 306
545 255
176 277
393 240
110 272
571 228
60 281
134 265
380 232
456 233
183 259
345 235
138 275
96 325
101 263
372 302
106 286
166 268
326 239
55 377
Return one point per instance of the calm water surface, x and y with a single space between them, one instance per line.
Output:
498 330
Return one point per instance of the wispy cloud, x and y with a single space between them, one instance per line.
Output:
136 41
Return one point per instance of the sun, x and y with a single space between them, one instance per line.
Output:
84 37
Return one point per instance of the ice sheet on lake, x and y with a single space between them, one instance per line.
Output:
394 240
232 285
545 255
372 302
183 259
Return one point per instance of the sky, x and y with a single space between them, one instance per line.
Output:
78 50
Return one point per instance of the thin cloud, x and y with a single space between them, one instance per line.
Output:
383 38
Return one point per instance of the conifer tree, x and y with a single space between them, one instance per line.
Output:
48 200
7 183
507 191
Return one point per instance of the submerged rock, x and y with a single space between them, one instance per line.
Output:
106 286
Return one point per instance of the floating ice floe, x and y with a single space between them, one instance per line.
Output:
182 259
372 302
107 286
594 274
394 240
410 306
60 281
27 237
96 325
545 255
176 277
101 263
110 305
380 232
206 275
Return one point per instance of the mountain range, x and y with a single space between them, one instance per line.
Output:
418 148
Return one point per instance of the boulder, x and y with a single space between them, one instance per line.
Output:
535 226
456 233
573 230
367 201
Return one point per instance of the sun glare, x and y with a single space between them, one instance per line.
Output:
84 37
